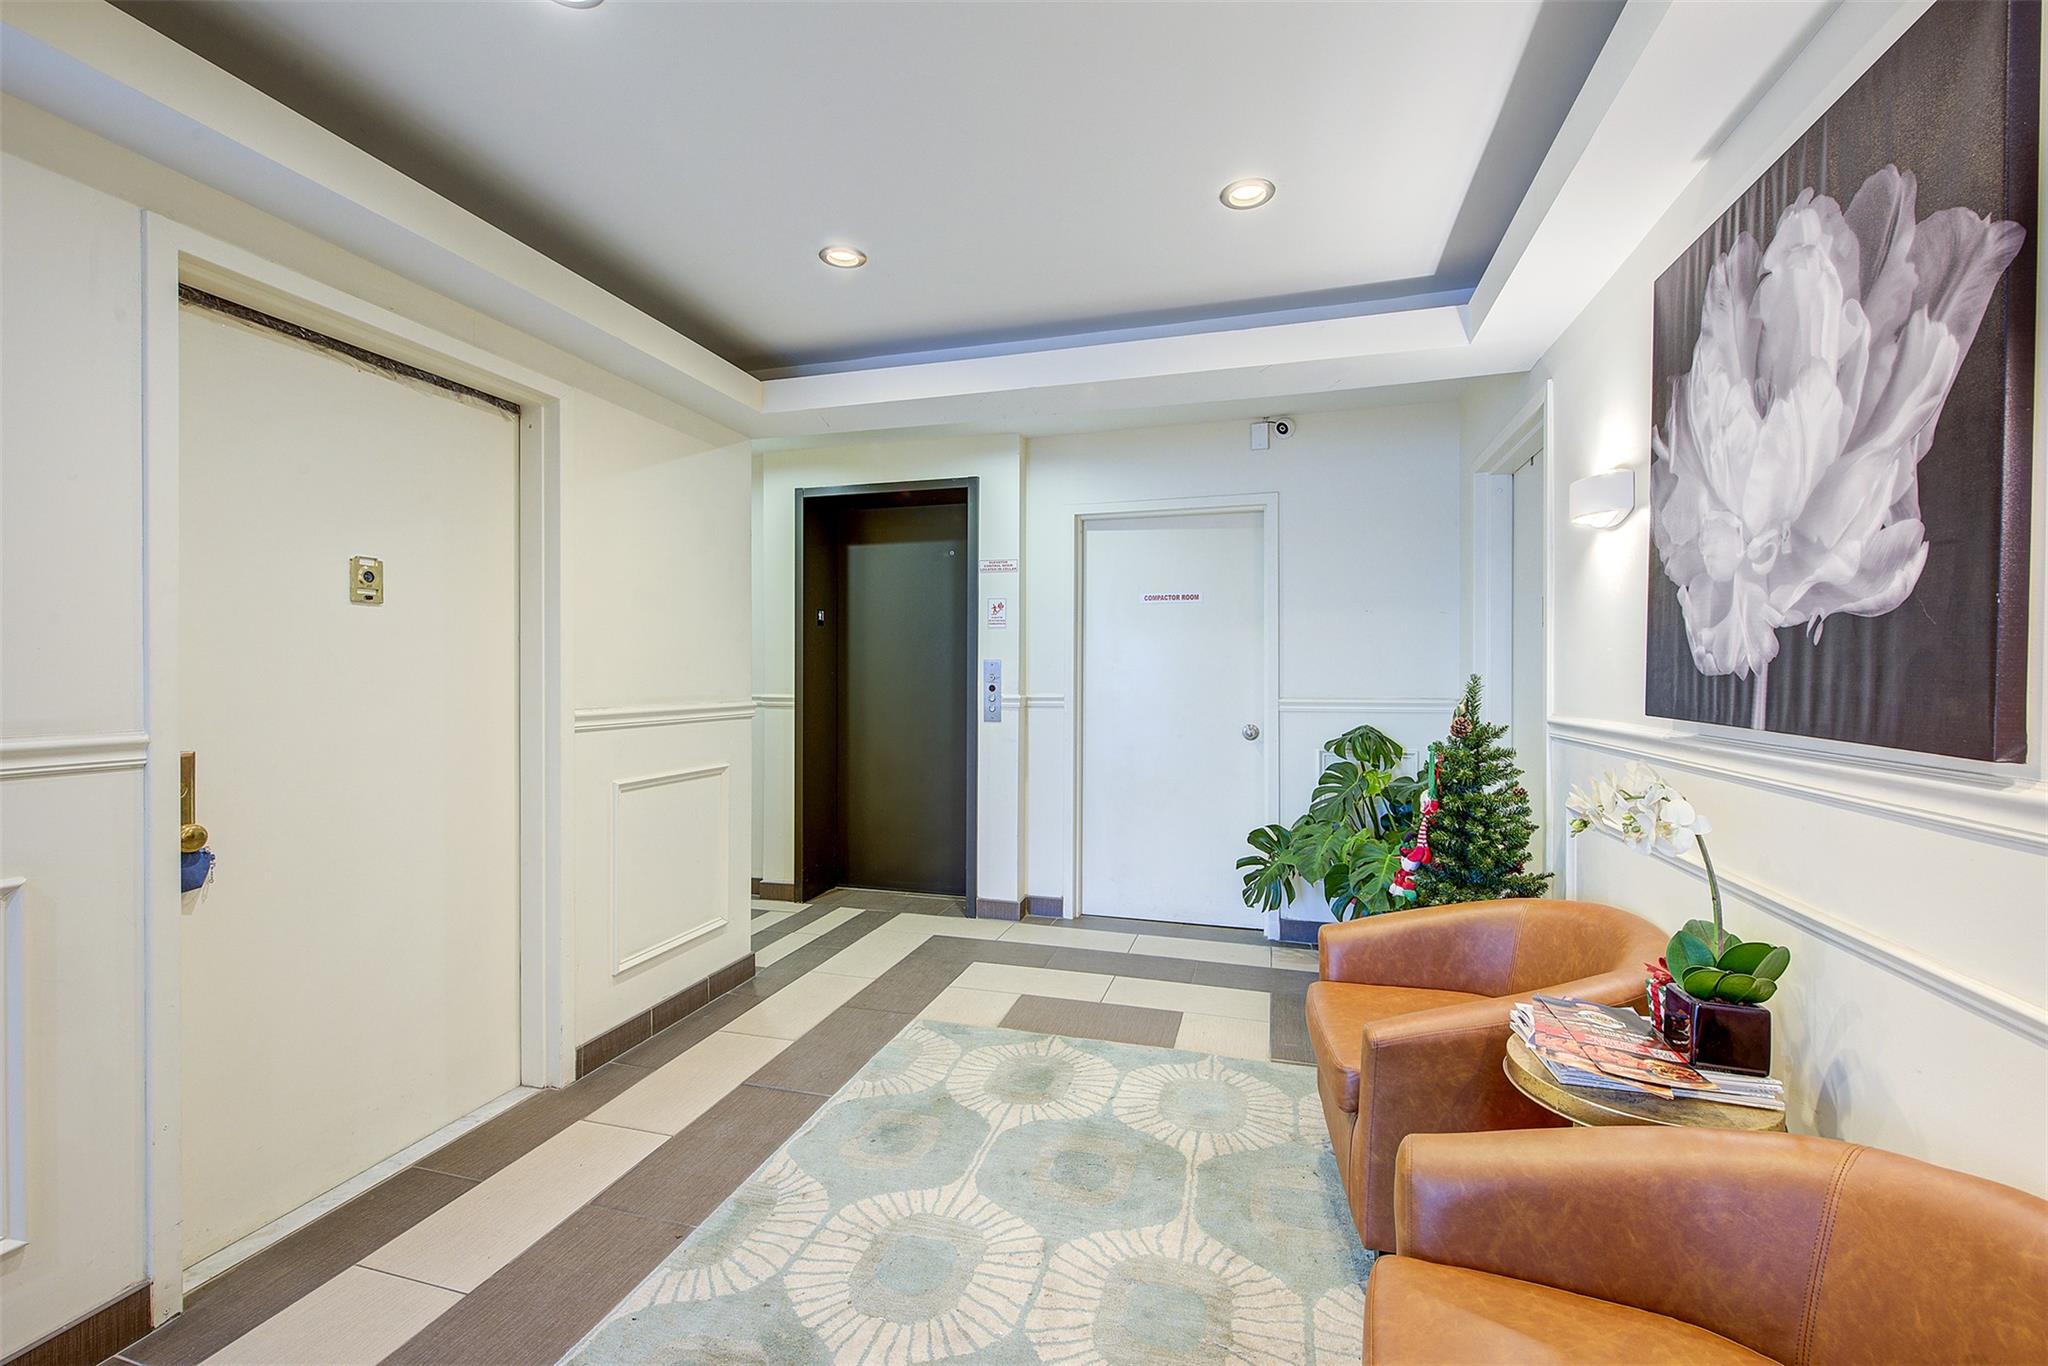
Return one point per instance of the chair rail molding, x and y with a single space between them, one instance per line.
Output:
2002 1008
775 701
1953 801
1425 706
49 755
661 714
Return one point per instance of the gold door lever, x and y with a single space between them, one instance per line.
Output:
191 835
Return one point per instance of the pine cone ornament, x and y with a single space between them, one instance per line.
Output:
1461 726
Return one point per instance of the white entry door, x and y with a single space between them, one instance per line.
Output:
349 981
1172 709
1528 726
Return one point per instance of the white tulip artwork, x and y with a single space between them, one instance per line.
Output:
1820 455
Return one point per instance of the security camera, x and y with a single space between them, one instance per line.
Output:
1281 427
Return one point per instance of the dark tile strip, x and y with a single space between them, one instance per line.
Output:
688 1177
251 1291
545 1299
504 1138
1123 964
1221 934
825 1059
1094 1020
94 1336
630 1033
1287 1030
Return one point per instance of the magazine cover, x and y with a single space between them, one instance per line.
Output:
1620 1043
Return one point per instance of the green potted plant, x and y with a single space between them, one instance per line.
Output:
1348 842
1713 1006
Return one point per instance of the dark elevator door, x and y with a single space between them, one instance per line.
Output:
905 680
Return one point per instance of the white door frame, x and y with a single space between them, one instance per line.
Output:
173 253
1267 505
1526 435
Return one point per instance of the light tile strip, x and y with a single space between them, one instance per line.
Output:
791 1014
361 1316
1202 950
679 1091
968 1006
1108 941
459 1245
1220 1034
1022 981
1186 997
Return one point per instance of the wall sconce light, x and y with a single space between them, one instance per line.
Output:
1603 500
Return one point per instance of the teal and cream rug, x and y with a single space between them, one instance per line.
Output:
991 1196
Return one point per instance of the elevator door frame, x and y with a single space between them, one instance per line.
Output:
970 686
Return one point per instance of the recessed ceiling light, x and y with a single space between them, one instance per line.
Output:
579 4
1246 194
846 258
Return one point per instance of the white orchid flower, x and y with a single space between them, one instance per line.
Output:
1790 452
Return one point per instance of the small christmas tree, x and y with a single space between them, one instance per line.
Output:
1475 844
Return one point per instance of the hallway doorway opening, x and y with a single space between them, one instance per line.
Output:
886 688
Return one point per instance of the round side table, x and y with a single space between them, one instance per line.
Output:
1588 1108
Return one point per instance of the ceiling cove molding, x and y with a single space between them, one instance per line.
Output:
49 756
661 714
2011 811
2002 1008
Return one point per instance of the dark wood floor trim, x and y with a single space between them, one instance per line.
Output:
774 891
90 1338
596 1052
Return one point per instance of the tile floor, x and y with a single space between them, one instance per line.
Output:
510 1241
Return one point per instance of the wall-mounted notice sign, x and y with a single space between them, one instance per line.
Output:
1169 597
998 614
998 566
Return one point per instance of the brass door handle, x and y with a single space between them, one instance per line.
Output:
191 834
191 838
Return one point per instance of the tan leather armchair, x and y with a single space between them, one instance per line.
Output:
1698 1245
1409 1022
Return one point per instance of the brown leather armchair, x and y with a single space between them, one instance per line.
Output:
1410 1022
1699 1245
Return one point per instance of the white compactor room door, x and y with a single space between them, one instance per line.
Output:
350 978
1173 713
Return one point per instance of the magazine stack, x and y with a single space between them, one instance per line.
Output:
1610 1048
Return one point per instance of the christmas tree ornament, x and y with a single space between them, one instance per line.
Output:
1473 824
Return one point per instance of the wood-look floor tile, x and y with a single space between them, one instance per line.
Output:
466 1241
691 1030
1288 1022
1122 964
1203 950
825 1059
969 1006
689 1177
360 1316
1076 986
243 1296
1189 997
1247 977
673 1095
503 1139
1094 1020
793 1014
549 1296
1222 934
1230 1038
1061 935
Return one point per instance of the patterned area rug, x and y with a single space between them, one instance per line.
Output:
991 1196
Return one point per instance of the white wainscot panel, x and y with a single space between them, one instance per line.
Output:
670 860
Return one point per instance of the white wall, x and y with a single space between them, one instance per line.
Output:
1369 596
1912 890
997 462
654 618
1369 618
71 698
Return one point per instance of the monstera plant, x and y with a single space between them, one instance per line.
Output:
1649 815
1348 843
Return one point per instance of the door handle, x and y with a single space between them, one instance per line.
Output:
191 834
1251 731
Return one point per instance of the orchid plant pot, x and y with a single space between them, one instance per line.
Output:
1718 1034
